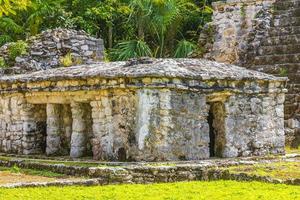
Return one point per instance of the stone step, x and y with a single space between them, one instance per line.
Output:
279 49
283 31
286 21
292 12
291 70
282 40
277 59
286 4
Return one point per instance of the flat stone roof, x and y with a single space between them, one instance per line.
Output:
198 69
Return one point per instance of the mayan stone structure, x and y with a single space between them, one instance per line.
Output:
46 50
143 110
263 35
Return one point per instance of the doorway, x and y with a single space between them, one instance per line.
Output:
216 121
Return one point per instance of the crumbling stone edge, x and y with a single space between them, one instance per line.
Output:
137 175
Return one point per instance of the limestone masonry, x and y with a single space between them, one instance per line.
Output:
263 35
46 50
143 110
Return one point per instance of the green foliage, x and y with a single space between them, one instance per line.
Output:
33 172
184 49
15 169
66 60
281 170
8 7
2 63
9 30
214 190
131 49
17 49
283 72
243 10
157 24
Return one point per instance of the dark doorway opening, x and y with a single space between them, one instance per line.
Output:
40 117
122 154
216 121
212 138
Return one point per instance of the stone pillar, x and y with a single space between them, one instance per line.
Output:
54 129
79 133
29 129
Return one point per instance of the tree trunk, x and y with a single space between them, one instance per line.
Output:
141 33
110 35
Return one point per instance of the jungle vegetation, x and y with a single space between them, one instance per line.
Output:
129 28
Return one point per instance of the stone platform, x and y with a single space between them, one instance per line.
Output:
103 173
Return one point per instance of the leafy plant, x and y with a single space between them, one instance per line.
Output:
283 71
184 49
2 63
9 30
156 24
17 49
131 49
66 60
15 169
8 7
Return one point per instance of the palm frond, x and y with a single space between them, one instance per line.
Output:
131 49
5 39
8 25
184 49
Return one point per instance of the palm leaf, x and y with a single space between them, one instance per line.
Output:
131 49
184 49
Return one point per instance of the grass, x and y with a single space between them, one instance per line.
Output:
290 150
216 190
281 170
55 162
32 172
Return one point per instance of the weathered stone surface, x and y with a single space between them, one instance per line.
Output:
46 50
264 36
148 110
141 172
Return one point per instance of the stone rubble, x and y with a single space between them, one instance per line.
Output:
142 173
46 49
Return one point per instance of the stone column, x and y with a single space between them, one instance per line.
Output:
54 129
79 132
29 128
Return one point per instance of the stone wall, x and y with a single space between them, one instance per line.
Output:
254 125
23 126
125 112
264 36
47 49
142 124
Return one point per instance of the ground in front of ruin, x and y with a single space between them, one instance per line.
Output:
49 178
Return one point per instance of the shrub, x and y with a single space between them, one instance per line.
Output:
15 169
17 49
66 60
2 63
130 49
184 49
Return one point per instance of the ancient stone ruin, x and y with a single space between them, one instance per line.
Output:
263 35
143 110
46 50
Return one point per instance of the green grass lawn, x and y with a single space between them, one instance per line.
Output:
281 170
292 150
216 190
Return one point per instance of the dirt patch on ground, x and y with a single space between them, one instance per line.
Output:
8 177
